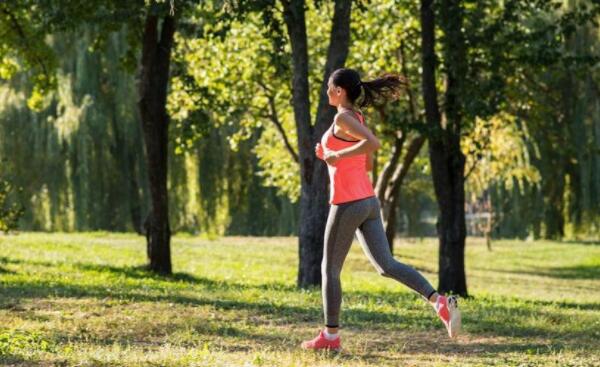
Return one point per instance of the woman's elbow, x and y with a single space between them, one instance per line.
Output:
375 144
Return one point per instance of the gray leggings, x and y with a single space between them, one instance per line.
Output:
363 217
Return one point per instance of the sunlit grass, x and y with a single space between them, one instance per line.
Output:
85 299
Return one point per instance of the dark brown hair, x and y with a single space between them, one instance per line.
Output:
375 91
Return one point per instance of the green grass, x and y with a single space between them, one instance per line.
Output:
85 300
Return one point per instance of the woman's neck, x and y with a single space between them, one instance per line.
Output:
345 106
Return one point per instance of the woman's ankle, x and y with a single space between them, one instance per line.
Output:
433 298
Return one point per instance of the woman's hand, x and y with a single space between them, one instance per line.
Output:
319 151
331 157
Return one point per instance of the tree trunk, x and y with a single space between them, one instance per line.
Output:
314 177
447 160
554 221
135 200
383 183
392 176
154 78
392 194
389 168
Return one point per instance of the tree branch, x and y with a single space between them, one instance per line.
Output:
390 169
339 41
412 105
390 166
21 33
274 118
411 153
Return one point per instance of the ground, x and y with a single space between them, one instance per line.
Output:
86 300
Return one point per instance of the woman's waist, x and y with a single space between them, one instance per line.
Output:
358 162
348 169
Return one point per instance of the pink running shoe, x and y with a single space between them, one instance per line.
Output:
320 342
447 310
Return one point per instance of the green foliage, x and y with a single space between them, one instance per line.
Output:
77 160
80 161
10 211
218 80
497 154
530 107
218 87
23 47
555 111
507 40
14 343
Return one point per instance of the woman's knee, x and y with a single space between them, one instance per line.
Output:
386 269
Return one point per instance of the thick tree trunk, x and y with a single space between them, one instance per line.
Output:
447 170
447 160
313 194
154 78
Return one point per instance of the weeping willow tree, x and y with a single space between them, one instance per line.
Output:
557 107
497 156
77 159
216 189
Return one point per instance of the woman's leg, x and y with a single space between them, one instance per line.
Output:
371 235
342 222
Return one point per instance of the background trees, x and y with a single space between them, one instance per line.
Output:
239 105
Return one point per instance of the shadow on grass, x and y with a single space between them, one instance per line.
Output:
3 261
566 272
13 360
141 272
581 242
503 320
6 271
231 337
479 323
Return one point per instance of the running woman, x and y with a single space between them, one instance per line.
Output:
347 148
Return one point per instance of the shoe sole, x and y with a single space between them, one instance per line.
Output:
455 318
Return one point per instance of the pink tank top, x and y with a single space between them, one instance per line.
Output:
348 178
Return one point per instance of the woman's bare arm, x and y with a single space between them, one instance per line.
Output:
350 125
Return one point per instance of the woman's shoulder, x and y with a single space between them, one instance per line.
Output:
347 116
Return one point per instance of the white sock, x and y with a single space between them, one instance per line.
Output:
330 336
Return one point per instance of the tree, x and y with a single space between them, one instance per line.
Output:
154 77
447 160
497 155
313 174
482 46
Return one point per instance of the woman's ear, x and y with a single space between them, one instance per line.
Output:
338 90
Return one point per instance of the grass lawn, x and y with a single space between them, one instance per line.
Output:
85 300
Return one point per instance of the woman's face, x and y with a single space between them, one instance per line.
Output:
335 94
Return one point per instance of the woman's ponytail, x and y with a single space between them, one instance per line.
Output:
368 93
381 89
